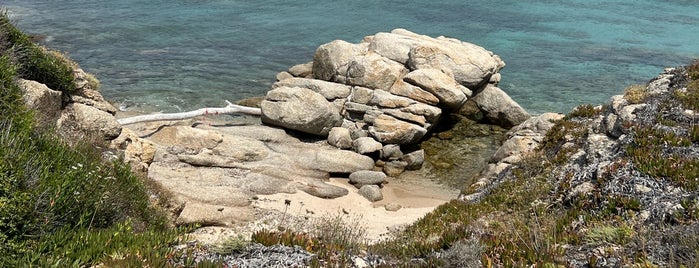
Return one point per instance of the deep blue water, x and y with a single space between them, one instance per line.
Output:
181 54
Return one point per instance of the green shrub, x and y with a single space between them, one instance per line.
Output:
585 111
635 94
650 152
608 235
35 62
332 239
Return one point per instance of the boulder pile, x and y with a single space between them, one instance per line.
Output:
388 91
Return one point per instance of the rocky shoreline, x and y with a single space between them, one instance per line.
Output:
353 134
344 137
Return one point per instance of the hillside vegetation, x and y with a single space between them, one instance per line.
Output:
610 186
64 205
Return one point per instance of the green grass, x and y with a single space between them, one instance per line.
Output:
63 205
35 62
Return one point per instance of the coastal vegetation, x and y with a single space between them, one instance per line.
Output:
64 205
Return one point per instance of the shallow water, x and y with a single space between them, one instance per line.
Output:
184 54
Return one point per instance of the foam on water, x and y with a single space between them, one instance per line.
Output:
189 53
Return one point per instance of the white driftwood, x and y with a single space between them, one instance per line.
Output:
229 109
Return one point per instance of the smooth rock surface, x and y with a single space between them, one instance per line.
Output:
340 137
300 109
79 120
43 100
499 108
366 145
451 95
371 192
366 177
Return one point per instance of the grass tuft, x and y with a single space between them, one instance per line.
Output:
635 94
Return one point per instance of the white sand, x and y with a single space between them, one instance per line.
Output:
416 199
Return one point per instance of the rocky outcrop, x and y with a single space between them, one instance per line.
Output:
630 162
213 173
387 93
521 141
79 116
392 87
497 107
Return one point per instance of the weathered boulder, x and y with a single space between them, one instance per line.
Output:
79 120
300 109
387 129
366 177
326 158
451 95
469 64
402 88
382 98
371 192
394 46
329 90
324 190
361 95
86 92
394 168
499 108
339 161
281 76
330 58
340 138
302 70
414 160
391 152
44 101
366 145
371 71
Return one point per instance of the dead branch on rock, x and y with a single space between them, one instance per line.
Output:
229 109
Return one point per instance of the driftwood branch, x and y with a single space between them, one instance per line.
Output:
229 109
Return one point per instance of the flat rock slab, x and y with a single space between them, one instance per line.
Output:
214 172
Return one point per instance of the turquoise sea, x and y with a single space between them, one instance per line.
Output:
174 55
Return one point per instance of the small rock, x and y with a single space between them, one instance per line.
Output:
414 160
394 168
360 263
366 145
340 138
366 177
371 192
391 152
283 76
393 207
642 188
324 190
301 70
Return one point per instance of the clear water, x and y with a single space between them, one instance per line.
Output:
182 54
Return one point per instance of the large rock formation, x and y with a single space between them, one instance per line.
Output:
80 116
393 87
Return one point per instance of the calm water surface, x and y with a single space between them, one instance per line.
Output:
182 54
